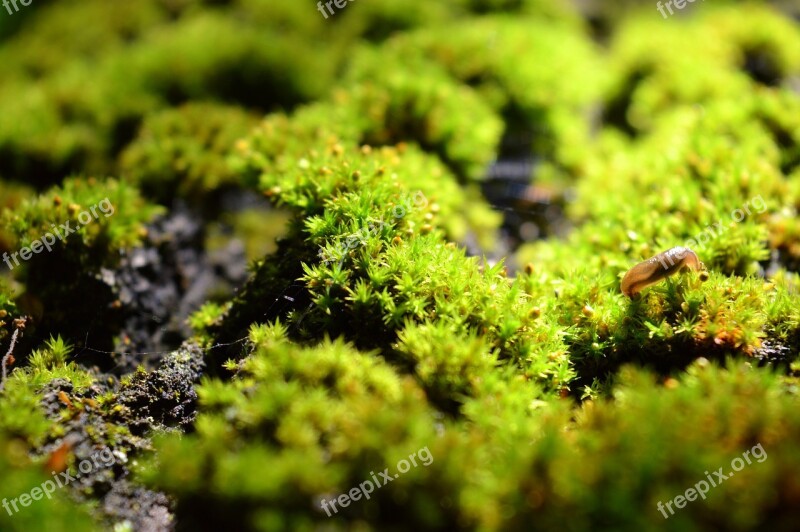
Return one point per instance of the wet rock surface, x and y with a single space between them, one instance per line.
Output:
100 439
160 284
166 396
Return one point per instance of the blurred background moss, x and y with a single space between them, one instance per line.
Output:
556 144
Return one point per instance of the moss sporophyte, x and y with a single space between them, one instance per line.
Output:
373 228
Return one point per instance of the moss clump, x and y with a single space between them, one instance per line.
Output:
654 449
429 110
24 429
308 413
62 125
277 156
319 410
380 270
182 153
721 53
548 108
374 329
66 237
56 36
104 216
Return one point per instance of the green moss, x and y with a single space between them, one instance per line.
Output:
288 403
182 152
69 234
20 476
63 123
365 332
277 158
52 363
24 428
546 102
374 261
55 36
711 52
117 220
667 438
401 106
319 417
672 187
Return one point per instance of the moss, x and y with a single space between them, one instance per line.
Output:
667 438
181 153
373 328
329 411
56 35
46 365
56 513
549 108
402 107
85 223
276 152
716 54
682 169
25 429
63 124
286 403
378 269
113 225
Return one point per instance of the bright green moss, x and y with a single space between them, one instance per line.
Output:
102 218
20 476
712 52
313 420
64 123
51 363
323 418
21 416
673 187
182 152
62 239
367 333
178 63
542 103
55 36
401 106
374 261
33 135
278 158
286 404
655 443
24 427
